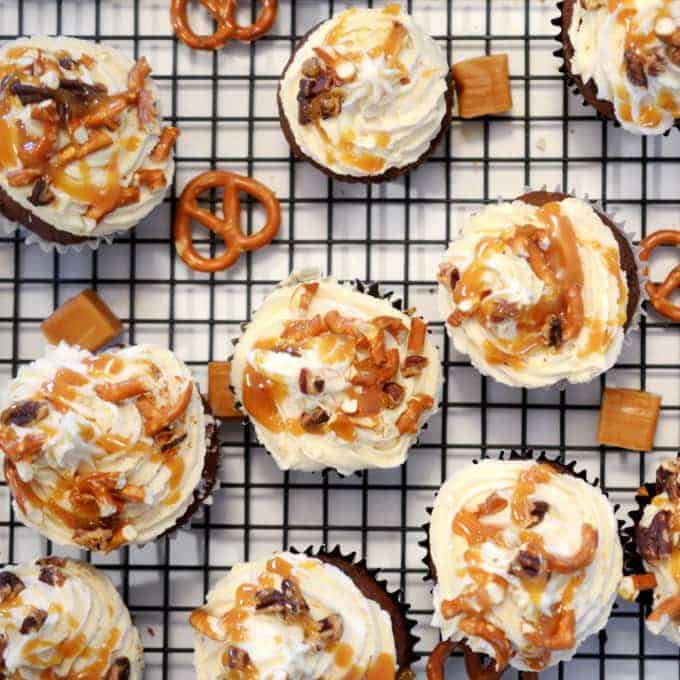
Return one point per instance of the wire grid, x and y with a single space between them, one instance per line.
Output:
225 104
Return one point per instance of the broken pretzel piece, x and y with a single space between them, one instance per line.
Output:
483 86
156 419
220 396
628 419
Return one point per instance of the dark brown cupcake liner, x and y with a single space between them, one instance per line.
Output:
374 588
373 289
604 109
390 173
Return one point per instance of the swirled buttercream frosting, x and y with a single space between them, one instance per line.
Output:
630 50
294 617
63 619
103 450
527 561
536 295
81 144
365 92
332 377
658 544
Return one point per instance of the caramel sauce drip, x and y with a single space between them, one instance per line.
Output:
361 160
468 525
343 655
520 507
260 398
343 427
381 669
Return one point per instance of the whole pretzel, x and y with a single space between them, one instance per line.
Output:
227 28
228 227
659 293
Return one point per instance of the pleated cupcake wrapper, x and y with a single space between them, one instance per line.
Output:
9 228
573 81
514 455
632 560
372 289
393 602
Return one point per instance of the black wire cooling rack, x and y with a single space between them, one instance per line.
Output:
224 103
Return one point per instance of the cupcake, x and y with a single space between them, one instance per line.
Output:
62 618
526 560
655 539
540 291
332 377
302 616
366 96
624 58
82 151
103 451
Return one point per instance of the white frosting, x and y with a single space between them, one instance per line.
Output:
378 447
511 278
84 615
599 38
376 103
278 649
138 463
572 503
111 69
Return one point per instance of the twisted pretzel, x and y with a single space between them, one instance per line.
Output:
227 28
228 227
659 293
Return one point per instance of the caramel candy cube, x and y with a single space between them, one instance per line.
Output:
85 320
628 419
220 396
483 85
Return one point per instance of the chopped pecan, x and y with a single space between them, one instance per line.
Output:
313 420
30 94
330 630
119 669
655 541
25 413
309 384
312 67
41 194
527 564
294 596
167 140
538 510
94 539
236 658
394 394
52 576
635 68
667 480
555 331
270 601
33 622
10 585
81 89
413 365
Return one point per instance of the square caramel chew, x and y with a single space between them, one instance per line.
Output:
220 396
483 85
84 320
628 419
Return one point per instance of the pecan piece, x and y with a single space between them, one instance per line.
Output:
93 539
236 658
119 669
81 89
270 601
538 510
312 67
413 365
527 564
555 332
10 585
52 560
30 94
24 413
294 597
67 63
314 419
310 384
329 630
52 576
330 104
655 541
394 394
635 68
33 622
41 194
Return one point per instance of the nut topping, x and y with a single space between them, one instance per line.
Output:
330 630
289 601
667 480
312 67
655 541
119 670
52 576
413 365
538 510
236 658
10 585
310 384
41 194
52 560
270 601
314 419
527 564
93 539
394 394
555 332
30 94
33 622
24 413
635 68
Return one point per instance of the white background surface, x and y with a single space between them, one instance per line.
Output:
353 232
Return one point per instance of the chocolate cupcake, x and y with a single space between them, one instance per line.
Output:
540 291
108 450
335 378
653 555
62 618
366 96
313 615
624 57
526 561
82 151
